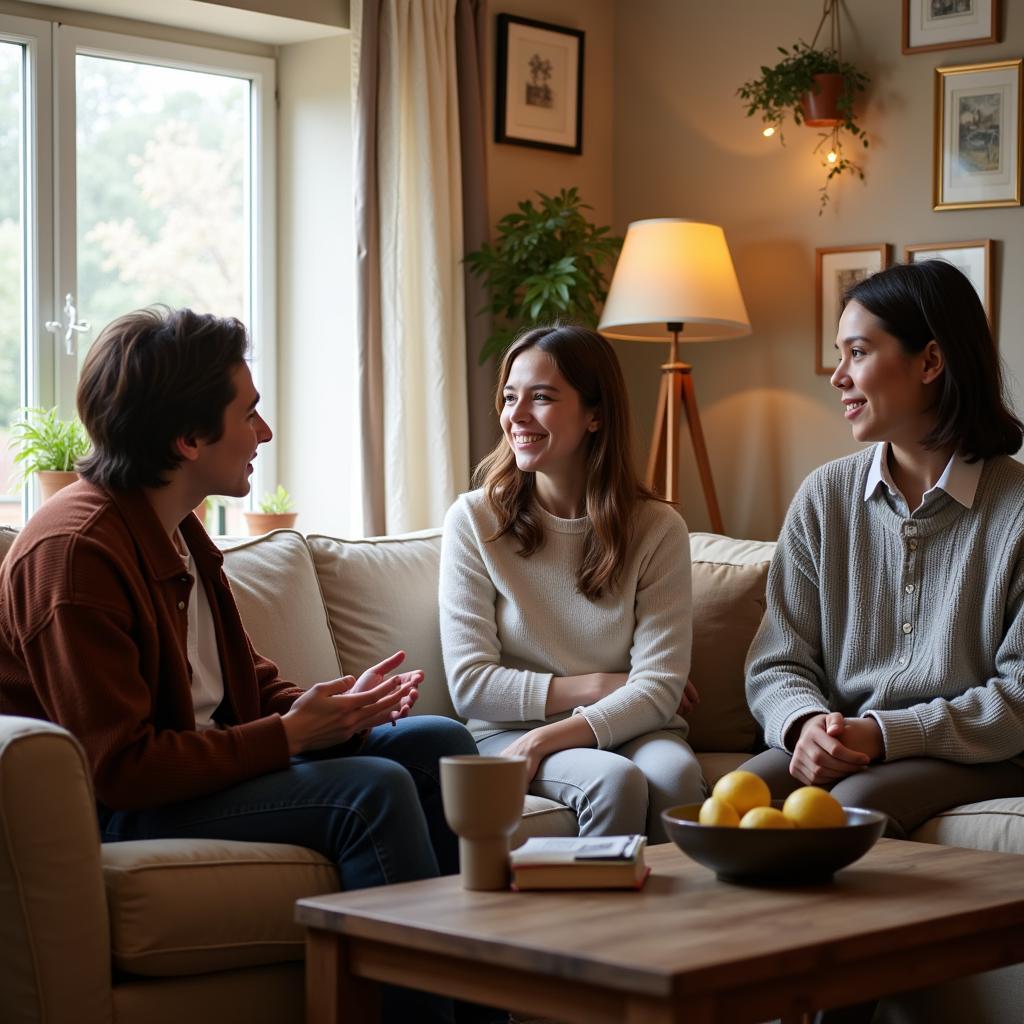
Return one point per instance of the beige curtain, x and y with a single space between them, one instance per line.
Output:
471 33
411 319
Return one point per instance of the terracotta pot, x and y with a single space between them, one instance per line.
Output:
263 522
821 104
53 480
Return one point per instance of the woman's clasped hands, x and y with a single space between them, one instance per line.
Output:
333 712
832 746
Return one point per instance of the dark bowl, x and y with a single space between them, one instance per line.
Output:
790 856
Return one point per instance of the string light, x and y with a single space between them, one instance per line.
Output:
831 156
769 131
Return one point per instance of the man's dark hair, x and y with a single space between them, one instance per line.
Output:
151 377
918 302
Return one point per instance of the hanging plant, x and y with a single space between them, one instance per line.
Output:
815 87
546 264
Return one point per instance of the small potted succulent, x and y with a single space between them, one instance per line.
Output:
273 512
48 448
814 87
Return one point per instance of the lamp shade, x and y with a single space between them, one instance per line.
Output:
674 271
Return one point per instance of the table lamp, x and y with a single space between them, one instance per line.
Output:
675 277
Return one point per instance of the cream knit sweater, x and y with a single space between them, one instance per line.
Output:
916 620
508 623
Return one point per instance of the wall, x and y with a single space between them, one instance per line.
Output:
683 147
515 172
316 284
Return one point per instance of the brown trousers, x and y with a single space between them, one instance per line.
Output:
910 791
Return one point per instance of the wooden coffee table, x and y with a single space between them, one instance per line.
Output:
686 948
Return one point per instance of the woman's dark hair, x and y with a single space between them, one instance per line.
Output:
589 364
151 377
919 302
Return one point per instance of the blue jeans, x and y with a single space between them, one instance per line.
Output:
377 815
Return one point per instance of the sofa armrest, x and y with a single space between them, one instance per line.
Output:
54 933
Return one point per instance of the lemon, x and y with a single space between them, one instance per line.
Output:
813 807
717 812
765 817
743 790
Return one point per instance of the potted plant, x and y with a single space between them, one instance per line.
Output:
547 264
273 512
816 88
48 447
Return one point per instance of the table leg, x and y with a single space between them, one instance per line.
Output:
333 993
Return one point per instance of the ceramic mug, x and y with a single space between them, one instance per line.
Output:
483 803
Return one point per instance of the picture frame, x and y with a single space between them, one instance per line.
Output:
835 270
538 93
977 135
949 24
974 259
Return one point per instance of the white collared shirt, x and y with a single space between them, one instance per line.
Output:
959 479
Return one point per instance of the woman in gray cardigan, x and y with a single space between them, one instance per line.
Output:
889 665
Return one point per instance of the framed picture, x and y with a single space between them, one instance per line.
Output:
949 24
539 91
977 135
974 259
836 270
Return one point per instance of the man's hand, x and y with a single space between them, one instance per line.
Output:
333 712
689 700
820 755
374 676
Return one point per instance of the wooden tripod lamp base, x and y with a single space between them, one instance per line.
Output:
663 464
674 271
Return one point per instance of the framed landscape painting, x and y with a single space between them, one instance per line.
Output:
977 135
949 24
836 270
539 89
973 259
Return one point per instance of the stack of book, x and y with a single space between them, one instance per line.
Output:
598 862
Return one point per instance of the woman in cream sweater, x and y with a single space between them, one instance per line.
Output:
565 596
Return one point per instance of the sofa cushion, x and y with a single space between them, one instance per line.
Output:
381 596
544 817
996 825
282 609
188 906
729 578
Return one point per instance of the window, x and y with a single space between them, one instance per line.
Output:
163 192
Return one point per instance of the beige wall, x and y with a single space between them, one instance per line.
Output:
514 172
683 147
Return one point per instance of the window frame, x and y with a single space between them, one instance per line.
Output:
49 203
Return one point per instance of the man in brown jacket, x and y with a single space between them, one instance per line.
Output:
117 622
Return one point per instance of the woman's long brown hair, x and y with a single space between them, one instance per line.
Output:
614 490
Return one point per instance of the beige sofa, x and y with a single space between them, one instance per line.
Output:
202 931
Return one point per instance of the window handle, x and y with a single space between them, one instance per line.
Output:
74 326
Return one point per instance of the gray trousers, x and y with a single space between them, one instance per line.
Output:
616 792
910 791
